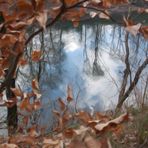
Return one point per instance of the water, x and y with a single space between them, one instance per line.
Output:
90 59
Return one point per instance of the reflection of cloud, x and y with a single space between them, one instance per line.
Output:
71 40
71 47
99 92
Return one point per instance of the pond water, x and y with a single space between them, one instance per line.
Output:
90 59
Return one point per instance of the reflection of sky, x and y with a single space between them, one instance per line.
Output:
100 92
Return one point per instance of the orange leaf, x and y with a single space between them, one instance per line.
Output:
36 55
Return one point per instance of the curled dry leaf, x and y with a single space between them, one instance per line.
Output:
17 26
42 18
112 123
134 29
104 15
7 145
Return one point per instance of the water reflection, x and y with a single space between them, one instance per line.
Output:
91 60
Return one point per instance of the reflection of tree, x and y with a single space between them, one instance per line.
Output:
95 68
97 71
49 67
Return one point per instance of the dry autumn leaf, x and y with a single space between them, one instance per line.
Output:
69 94
42 18
17 92
62 104
144 31
7 145
70 2
112 123
36 55
134 29
104 15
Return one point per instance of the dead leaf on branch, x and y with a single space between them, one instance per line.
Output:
36 55
69 93
42 17
134 29
144 31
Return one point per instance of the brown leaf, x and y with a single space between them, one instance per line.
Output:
23 62
76 144
62 104
68 133
56 113
17 26
7 40
91 142
37 105
144 31
70 2
84 116
105 15
42 18
7 145
48 142
35 85
32 132
112 123
17 92
69 93
25 105
134 29
36 55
